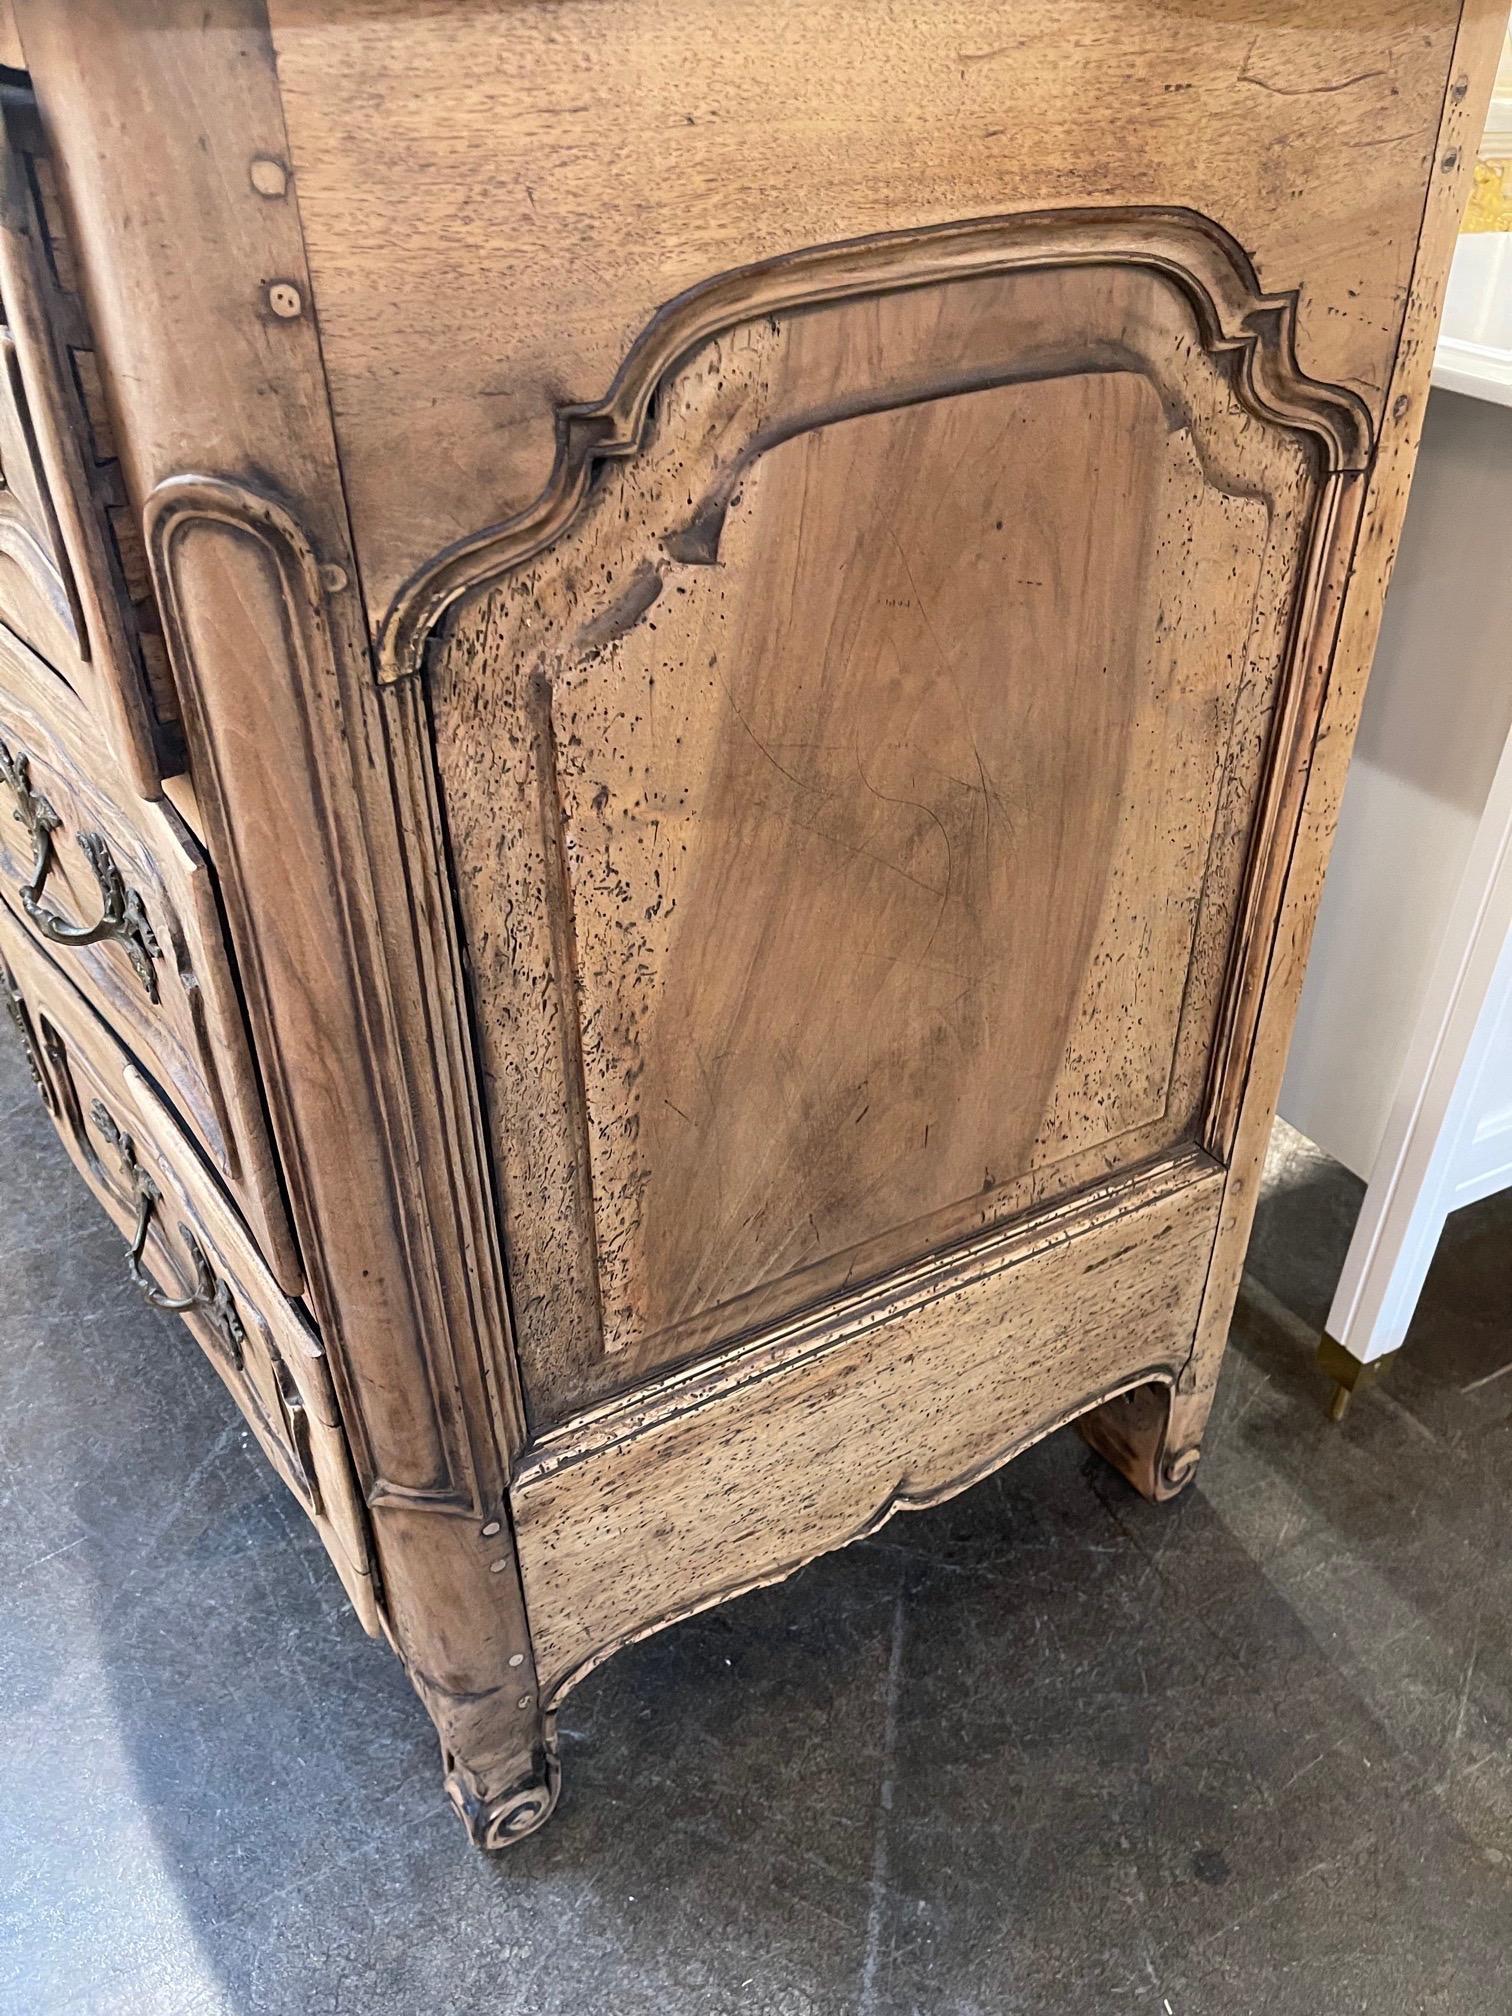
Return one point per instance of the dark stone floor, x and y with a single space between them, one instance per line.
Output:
1044 1749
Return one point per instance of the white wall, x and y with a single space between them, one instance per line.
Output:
1437 712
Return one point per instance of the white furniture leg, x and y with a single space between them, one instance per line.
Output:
1449 1137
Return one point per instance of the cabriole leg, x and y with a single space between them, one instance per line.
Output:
457 1617
1152 1435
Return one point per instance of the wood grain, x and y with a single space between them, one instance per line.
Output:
37 593
809 570
63 479
1323 760
318 809
883 746
542 178
1321 756
1255 333
753 1466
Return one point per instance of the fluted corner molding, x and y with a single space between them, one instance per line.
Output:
181 502
1198 257
376 928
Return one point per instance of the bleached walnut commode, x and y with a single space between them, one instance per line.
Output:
674 683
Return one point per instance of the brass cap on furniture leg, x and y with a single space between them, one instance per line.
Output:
1348 1373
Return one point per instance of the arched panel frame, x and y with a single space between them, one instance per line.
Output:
1250 336
1235 318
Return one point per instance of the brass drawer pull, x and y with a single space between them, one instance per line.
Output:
15 1006
209 1293
296 1423
122 914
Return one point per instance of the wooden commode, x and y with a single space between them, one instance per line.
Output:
674 680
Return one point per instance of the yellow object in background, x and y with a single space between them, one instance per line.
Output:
1491 198
1490 207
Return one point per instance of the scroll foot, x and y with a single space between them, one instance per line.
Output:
1151 1435
496 1818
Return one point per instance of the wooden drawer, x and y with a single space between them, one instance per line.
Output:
73 581
122 889
187 1250
37 592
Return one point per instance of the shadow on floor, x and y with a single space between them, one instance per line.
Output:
1042 1749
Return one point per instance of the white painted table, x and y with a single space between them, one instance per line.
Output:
1402 1061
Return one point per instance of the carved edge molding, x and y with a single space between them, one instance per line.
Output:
1174 1474
47 332
460 1190
604 1431
1197 256
1314 629
816 1332
468 1462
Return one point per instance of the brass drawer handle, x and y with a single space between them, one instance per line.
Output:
296 1423
122 915
209 1293
15 1006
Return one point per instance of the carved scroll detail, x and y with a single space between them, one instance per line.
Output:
123 914
1195 255
494 1819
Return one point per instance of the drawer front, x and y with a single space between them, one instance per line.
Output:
37 591
187 1251
72 579
119 887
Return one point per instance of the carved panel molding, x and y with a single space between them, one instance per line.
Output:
1237 320
1106 392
